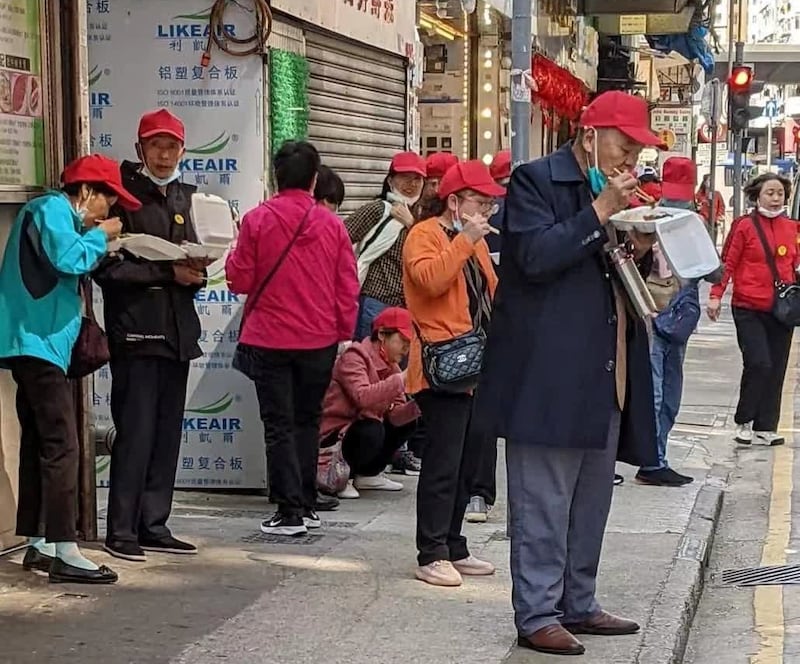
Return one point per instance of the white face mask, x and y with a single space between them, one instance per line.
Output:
161 182
770 214
394 197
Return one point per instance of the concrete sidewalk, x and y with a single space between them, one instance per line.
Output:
347 593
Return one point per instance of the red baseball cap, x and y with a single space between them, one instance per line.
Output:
438 163
473 175
161 122
394 318
678 179
627 113
97 169
500 167
408 162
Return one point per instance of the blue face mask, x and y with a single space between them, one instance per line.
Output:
597 179
161 182
458 225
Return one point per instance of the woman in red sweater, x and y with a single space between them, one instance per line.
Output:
763 341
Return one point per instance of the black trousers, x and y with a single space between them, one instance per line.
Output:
290 385
484 481
369 445
765 346
448 464
148 396
48 454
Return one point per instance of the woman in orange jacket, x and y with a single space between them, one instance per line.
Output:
449 281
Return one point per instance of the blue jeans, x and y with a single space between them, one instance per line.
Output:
368 310
666 360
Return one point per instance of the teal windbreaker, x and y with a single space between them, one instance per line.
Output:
40 307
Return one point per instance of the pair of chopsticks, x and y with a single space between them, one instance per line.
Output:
644 196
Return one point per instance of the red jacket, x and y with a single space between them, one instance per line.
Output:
312 300
745 261
363 386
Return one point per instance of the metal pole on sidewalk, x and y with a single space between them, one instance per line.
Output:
738 145
520 92
713 126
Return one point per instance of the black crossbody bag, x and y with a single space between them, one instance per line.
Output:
786 306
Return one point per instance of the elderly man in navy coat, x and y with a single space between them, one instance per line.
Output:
567 373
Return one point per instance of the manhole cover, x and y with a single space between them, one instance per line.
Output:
219 513
340 524
775 575
265 538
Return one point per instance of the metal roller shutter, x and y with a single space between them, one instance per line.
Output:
357 112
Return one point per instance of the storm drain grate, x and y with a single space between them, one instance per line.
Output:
265 538
339 524
774 575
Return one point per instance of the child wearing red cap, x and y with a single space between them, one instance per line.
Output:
154 333
55 242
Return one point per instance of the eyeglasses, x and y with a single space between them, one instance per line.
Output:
489 208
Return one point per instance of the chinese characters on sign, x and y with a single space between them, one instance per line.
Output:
221 106
22 149
383 10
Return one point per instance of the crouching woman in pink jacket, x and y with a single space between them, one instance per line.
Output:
366 406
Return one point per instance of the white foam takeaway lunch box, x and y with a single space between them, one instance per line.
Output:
213 223
682 237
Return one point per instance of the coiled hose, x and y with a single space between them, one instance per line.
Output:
219 36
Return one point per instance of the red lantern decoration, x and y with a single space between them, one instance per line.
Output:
557 90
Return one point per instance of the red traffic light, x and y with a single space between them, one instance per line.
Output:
741 78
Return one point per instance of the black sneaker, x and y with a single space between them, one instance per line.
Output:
311 520
619 480
663 477
326 503
125 551
169 545
406 463
290 525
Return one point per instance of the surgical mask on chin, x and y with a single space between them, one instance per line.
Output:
770 214
395 197
161 182
458 225
597 179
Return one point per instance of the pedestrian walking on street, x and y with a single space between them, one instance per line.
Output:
667 346
294 261
449 284
366 407
436 165
153 332
567 379
763 340
55 242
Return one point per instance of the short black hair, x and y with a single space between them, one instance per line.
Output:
329 187
296 163
74 188
754 187
387 332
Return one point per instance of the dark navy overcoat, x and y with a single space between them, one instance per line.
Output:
549 368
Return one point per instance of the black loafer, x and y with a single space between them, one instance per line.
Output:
36 560
61 572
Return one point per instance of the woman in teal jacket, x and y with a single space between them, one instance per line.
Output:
56 239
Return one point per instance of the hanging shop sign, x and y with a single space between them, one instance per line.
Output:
147 55
389 25
675 126
22 134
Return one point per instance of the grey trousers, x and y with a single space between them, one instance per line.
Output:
559 501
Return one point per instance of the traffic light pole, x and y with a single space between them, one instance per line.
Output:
738 136
521 62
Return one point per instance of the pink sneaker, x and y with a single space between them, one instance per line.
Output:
439 573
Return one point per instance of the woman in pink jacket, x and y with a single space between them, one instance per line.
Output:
366 406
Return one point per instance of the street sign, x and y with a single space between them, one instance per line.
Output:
771 109
711 104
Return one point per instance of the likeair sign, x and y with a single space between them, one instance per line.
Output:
192 26
212 417
97 98
207 159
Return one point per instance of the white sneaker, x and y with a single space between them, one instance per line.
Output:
439 573
377 483
769 438
744 433
472 566
349 492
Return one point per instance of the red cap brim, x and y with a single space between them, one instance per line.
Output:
489 189
162 132
410 169
406 332
644 137
125 198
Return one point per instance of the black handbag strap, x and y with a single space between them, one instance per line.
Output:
767 250
252 299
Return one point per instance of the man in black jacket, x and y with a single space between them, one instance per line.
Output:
153 331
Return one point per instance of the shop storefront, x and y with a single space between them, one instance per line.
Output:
40 110
358 57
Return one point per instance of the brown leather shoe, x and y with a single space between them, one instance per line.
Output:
603 623
552 640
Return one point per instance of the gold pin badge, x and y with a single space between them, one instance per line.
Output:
782 250
179 219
